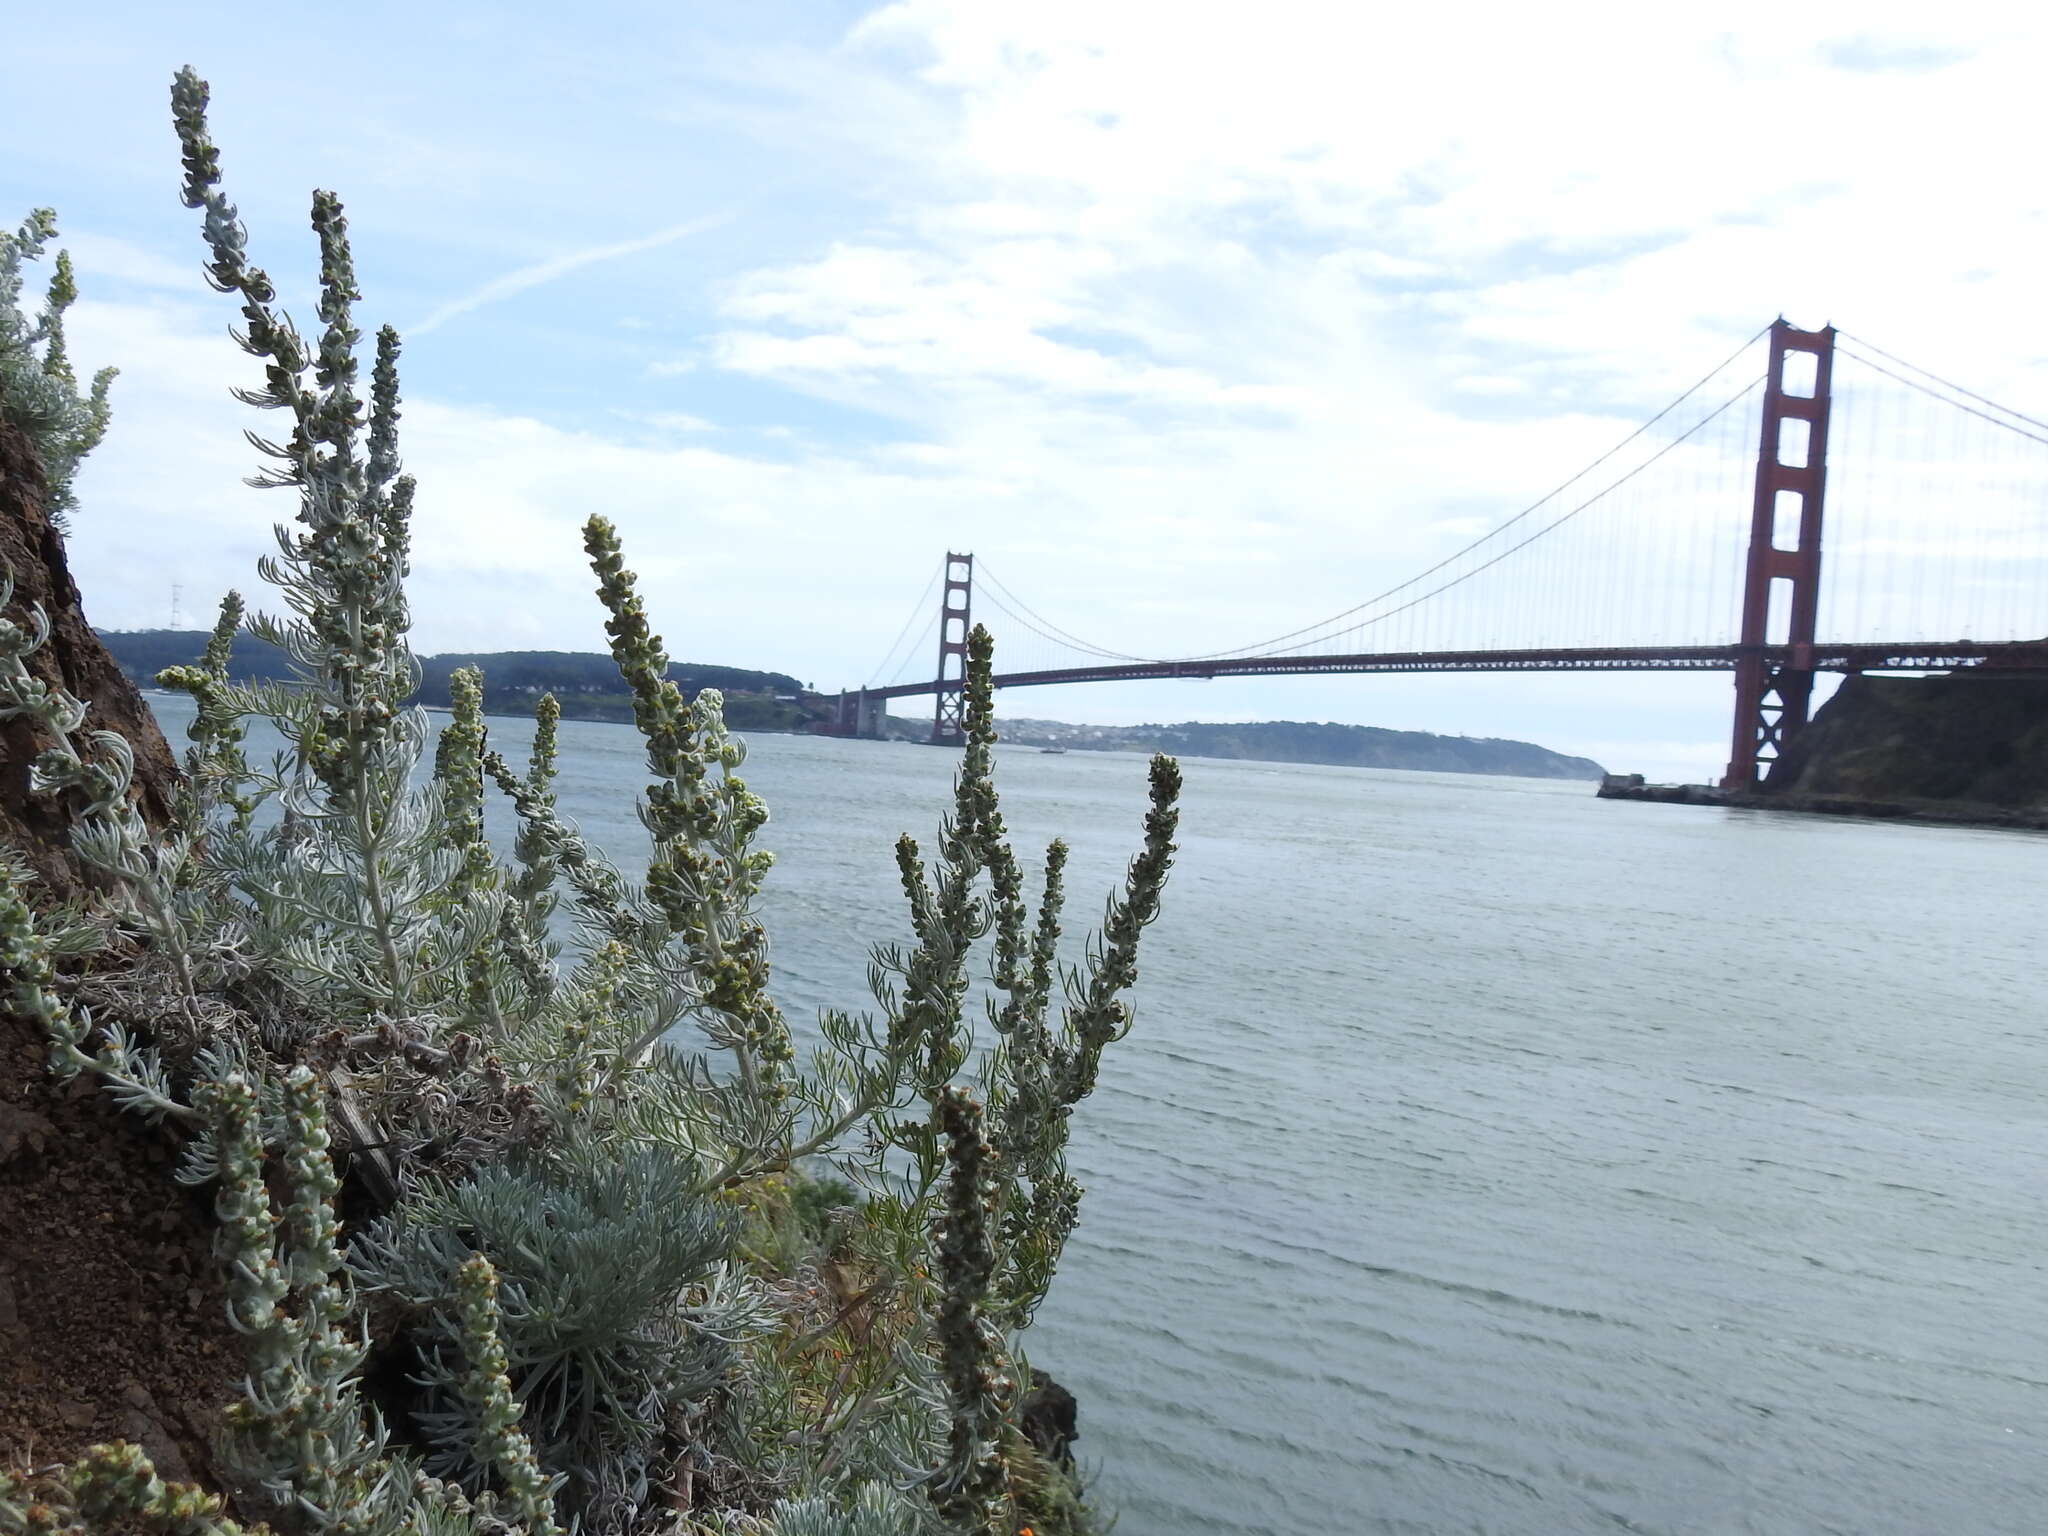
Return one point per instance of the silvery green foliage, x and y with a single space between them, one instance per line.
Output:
380 906
555 1139
993 1219
872 1510
216 770
97 768
497 1440
972 1487
597 1259
368 912
459 771
111 1488
301 1432
523 927
38 386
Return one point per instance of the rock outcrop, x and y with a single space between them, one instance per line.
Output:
1975 738
74 659
111 1319
1050 1420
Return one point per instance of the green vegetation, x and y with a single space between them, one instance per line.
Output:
623 1258
585 684
38 386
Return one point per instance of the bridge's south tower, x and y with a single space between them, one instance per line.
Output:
1781 590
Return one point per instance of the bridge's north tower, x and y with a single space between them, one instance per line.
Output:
1781 590
956 605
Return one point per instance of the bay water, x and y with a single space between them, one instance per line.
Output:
1490 1158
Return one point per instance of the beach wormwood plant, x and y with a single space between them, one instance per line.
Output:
38 385
591 1233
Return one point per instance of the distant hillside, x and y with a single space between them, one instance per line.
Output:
1291 741
586 683
563 673
142 653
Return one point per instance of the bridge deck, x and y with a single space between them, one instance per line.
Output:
1921 657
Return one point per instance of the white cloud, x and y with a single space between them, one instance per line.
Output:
104 257
1194 323
670 421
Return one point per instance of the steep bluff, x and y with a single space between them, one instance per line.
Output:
1974 738
32 551
112 1322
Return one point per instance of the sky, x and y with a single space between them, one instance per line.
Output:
1193 322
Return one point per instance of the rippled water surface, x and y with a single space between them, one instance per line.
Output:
1489 1158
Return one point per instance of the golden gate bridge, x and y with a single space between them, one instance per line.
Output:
1672 551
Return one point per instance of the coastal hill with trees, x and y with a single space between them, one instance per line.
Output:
1301 741
585 684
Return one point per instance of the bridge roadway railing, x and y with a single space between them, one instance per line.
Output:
1917 656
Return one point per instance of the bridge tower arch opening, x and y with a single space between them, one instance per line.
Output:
956 618
1781 583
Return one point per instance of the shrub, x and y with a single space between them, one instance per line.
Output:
38 386
551 1150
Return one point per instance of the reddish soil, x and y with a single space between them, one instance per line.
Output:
112 1320
33 552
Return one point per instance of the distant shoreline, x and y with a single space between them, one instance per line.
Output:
586 685
1313 744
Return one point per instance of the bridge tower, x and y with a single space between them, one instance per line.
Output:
1772 693
955 610
860 714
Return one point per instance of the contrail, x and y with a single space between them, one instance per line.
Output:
547 271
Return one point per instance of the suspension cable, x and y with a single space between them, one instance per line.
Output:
1944 383
1933 394
995 601
1278 642
1038 623
931 626
1598 496
895 645
1533 507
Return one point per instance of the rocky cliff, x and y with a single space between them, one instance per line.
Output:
1967 738
112 1318
33 552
